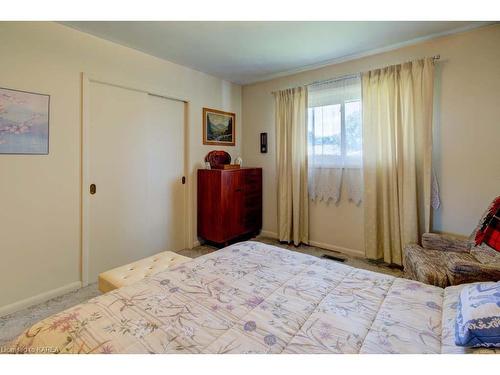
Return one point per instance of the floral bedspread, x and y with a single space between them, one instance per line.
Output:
255 298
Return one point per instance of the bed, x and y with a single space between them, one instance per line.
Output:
256 298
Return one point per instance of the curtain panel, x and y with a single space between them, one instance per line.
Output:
397 154
291 146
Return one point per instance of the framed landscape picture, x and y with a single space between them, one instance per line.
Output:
218 127
24 122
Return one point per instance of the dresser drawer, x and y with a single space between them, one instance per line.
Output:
253 186
250 204
252 218
252 177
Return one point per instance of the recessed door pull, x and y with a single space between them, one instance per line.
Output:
92 189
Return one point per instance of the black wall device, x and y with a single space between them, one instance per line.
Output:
263 143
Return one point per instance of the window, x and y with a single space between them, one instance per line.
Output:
334 124
335 139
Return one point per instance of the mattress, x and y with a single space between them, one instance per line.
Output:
256 298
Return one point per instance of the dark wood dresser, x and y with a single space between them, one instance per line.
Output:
229 203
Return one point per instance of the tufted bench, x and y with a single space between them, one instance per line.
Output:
133 272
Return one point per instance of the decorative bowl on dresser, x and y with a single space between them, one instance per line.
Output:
229 204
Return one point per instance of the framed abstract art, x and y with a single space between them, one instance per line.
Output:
24 122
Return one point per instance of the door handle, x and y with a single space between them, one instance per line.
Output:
92 189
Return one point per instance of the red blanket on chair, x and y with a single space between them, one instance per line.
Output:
489 232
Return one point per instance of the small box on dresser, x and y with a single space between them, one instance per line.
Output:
229 203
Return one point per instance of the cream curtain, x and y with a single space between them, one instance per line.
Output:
291 144
397 148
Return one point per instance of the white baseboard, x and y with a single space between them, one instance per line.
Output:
339 249
265 233
39 298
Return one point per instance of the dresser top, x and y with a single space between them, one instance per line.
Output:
228 170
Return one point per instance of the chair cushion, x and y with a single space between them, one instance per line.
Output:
432 266
451 258
133 272
478 316
425 265
485 254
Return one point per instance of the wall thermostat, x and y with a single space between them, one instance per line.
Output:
263 143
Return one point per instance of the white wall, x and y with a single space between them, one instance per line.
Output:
467 134
40 195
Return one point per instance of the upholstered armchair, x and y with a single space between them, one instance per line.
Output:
444 260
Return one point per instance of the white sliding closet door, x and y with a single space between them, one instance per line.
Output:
136 160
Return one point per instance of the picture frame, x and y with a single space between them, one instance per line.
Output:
219 127
24 122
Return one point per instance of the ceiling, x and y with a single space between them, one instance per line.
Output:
246 52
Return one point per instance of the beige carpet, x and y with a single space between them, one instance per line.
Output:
14 324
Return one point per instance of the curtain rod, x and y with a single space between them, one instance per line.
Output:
333 79
434 58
